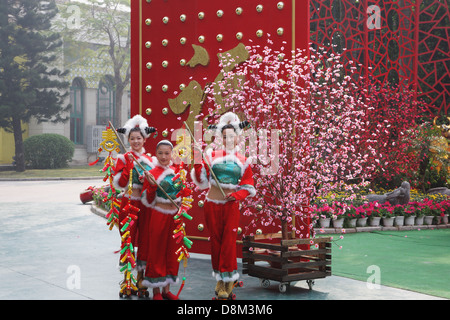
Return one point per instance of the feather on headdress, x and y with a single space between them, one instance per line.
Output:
137 121
229 118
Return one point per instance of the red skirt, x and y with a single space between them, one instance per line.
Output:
162 261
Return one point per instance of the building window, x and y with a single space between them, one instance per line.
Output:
105 102
77 111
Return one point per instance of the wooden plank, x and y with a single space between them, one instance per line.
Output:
262 275
270 246
304 276
302 253
266 270
294 242
305 264
307 274
266 236
263 257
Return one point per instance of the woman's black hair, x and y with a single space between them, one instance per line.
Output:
135 129
228 126
242 125
148 131
164 143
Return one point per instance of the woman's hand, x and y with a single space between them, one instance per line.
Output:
198 146
230 198
151 179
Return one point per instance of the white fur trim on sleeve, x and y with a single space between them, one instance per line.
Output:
145 201
251 189
203 183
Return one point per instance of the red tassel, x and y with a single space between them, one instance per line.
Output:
181 287
94 163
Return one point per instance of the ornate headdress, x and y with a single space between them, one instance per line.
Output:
137 121
229 118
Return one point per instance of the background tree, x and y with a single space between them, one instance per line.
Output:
107 22
317 116
30 85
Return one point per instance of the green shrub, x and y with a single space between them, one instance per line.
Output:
48 151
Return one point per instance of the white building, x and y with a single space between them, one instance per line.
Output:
92 98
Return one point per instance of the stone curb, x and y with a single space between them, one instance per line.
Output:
50 179
102 213
380 228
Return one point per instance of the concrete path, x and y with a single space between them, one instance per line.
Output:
53 247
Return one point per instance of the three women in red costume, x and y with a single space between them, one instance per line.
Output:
230 181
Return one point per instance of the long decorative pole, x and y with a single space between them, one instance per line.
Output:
206 161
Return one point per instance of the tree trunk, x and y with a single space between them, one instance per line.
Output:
18 143
284 230
118 111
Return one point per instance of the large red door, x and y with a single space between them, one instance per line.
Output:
175 46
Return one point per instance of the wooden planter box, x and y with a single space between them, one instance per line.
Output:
287 260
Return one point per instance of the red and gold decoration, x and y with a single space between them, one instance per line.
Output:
180 232
182 49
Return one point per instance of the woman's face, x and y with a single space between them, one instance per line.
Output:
136 141
230 139
164 154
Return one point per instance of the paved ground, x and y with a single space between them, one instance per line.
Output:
54 247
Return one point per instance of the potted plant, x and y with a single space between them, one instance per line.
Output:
446 209
324 219
387 214
362 215
438 212
410 216
338 220
418 213
351 217
398 214
375 215
362 220
321 216
428 214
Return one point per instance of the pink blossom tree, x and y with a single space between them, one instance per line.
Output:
318 116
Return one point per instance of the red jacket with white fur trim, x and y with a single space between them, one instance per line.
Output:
124 165
152 195
232 170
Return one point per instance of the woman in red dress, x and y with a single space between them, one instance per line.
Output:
162 266
235 176
127 172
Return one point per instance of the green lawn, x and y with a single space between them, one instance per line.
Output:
413 260
71 172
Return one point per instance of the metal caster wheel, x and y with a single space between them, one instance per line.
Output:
283 287
310 283
265 283
143 294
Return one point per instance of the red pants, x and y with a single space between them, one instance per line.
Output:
143 239
222 221
162 261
